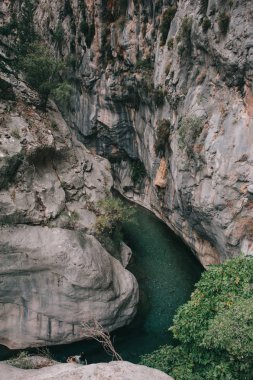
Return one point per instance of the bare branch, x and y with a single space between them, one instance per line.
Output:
93 330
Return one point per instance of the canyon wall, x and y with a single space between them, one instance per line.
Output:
163 89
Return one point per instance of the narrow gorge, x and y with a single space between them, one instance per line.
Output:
150 101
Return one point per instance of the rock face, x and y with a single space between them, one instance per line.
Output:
139 64
103 371
62 278
54 275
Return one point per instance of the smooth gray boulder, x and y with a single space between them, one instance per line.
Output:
52 280
101 371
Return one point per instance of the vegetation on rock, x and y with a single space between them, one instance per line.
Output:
162 135
189 130
223 22
214 330
167 17
113 212
42 71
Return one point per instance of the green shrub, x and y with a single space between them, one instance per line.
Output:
112 213
206 24
42 70
25 28
223 22
170 44
184 37
22 360
162 135
144 64
7 29
167 17
62 94
138 171
159 96
58 34
214 330
189 130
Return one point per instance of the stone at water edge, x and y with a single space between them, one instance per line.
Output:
101 371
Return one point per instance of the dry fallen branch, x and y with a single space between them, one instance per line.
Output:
93 330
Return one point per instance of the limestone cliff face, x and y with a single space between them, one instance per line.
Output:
54 274
168 83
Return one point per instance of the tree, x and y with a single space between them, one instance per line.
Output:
42 71
112 213
214 329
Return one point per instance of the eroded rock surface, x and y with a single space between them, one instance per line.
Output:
195 72
54 275
102 371
62 279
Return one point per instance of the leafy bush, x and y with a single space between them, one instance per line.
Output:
162 135
167 17
170 44
214 329
113 212
58 34
189 130
25 28
7 29
223 22
62 94
22 360
159 96
206 24
42 70
144 64
184 37
138 171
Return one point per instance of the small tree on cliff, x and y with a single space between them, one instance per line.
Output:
43 72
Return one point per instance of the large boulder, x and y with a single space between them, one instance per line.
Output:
54 279
102 371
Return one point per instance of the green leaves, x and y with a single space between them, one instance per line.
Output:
43 72
214 329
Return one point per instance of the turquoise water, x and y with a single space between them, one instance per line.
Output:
166 272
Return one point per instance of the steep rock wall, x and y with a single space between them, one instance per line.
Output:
54 274
187 65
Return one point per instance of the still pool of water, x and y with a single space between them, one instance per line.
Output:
166 271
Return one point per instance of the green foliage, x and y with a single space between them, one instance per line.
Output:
189 130
232 330
167 17
184 37
223 22
159 96
138 171
22 360
58 34
170 44
113 212
162 135
206 24
62 94
42 70
214 329
25 28
7 29
144 64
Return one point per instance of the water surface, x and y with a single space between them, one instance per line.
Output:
166 271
